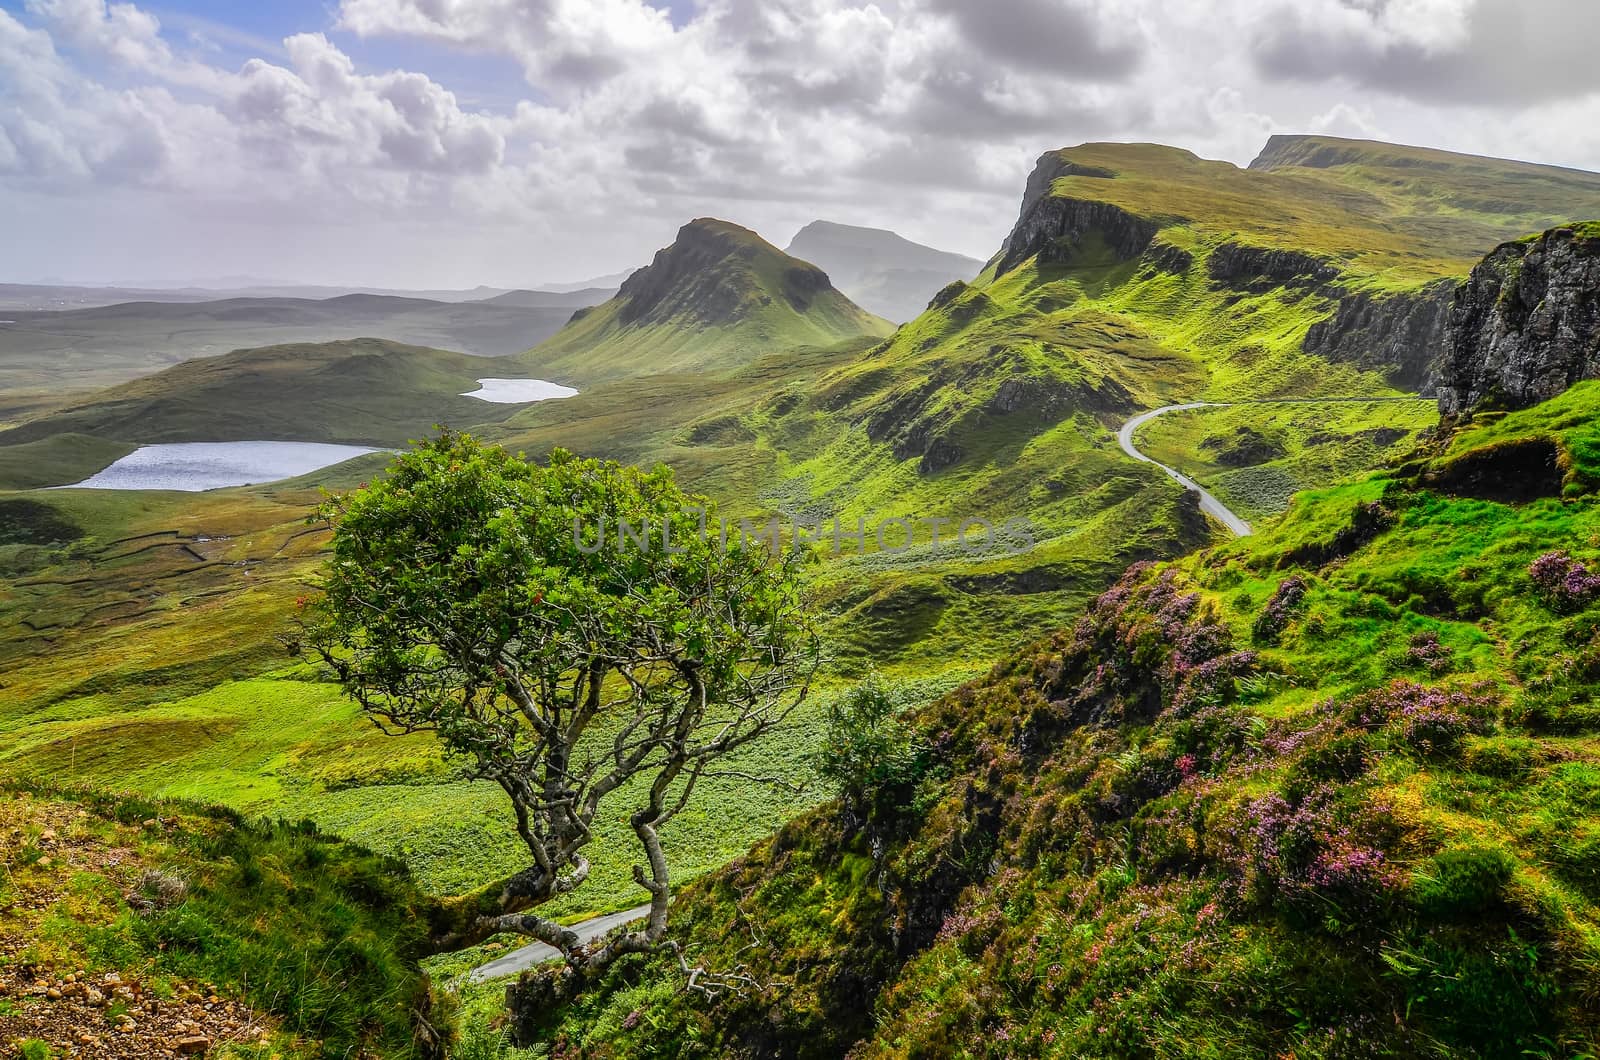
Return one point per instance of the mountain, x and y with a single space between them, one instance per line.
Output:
1103 847
86 296
357 391
719 296
880 271
610 280
80 349
575 299
1329 790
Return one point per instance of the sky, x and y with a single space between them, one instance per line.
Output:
452 143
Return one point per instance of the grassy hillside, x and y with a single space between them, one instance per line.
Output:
135 927
1255 458
142 632
1332 790
368 391
1399 215
718 297
1454 198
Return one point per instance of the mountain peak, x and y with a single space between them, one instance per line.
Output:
718 295
881 270
1309 151
718 273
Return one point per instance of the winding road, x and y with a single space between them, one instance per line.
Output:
528 956
1208 503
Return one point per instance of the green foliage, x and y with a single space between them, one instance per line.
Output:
1372 835
1464 881
582 632
34 1049
868 753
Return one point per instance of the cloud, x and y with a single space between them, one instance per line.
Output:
1053 36
573 43
924 115
1439 51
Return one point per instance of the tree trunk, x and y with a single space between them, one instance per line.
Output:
465 920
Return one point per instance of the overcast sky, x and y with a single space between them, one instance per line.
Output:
421 143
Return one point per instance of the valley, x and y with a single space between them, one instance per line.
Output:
1210 396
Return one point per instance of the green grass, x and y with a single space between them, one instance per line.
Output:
320 935
1376 833
361 391
1394 216
1256 457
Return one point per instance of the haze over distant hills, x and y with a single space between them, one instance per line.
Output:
65 296
613 279
880 271
80 349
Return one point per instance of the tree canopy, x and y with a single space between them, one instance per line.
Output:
577 634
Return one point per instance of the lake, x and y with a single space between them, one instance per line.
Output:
517 391
195 466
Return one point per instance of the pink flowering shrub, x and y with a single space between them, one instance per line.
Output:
1564 583
1426 651
1309 852
1286 602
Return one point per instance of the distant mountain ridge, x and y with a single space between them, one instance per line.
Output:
719 296
86 348
881 271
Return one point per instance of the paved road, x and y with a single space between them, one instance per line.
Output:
528 956
1208 504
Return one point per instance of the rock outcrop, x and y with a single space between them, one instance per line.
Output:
1401 335
1054 227
1526 325
1257 268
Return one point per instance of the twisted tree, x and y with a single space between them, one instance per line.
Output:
575 632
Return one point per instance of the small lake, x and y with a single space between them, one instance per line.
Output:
517 391
195 466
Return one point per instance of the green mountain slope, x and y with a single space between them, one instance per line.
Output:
1332 790
719 296
358 391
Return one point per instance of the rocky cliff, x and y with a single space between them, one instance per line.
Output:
1526 325
1400 335
1055 227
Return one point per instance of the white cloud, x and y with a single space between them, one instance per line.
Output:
1494 52
922 115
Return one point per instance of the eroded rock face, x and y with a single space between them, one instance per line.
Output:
1526 325
1401 336
1053 227
1252 268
